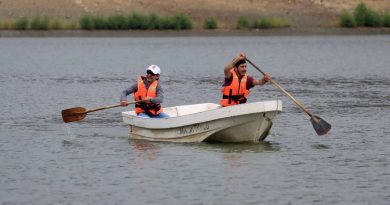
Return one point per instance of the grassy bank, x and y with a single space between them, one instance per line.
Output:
136 21
362 16
198 32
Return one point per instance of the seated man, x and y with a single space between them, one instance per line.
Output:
149 94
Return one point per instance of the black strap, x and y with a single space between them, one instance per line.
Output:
236 98
149 106
230 96
233 97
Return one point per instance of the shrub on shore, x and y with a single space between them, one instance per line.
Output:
40 23
136 21
58 24
243 22
142 22
182 21
117 22
347 20
20 24
363 16
210 23
386 20
268 22
87 22
261 23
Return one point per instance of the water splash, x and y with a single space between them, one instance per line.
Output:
71 136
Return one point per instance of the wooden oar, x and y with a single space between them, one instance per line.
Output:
79 113
319 125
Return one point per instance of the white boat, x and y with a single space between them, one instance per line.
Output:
250 122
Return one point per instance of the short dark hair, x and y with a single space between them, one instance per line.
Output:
238 63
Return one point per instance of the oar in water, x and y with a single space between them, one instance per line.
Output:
79 113
319 125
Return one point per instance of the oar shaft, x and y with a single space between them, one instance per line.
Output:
103 108
257 68
291 97
283 90
107 107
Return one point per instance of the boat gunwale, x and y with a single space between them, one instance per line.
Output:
187 120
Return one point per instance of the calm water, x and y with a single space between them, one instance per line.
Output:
343 79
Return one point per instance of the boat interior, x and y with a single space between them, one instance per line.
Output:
186 109
190 109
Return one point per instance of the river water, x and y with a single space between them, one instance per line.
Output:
343 79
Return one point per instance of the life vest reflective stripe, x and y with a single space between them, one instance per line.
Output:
142 93
236 92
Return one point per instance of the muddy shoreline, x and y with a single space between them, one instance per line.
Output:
184 33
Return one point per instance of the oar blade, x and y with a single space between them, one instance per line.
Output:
73 114
320 126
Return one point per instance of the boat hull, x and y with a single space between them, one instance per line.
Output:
241 123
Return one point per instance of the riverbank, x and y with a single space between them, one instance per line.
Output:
183 33
299 13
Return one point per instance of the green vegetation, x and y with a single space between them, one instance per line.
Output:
244 22
136 21
20 24
142 22
266 22
347 20
386 20
361 16
117 22
210 23
57 24
364 16
87 22
182 21
262 23
94 22
40 23
37 23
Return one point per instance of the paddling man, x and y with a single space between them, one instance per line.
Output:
237 84
148 90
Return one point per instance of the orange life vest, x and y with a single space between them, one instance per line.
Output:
142 92
236 92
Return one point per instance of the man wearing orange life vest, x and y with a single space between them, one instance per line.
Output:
237 84
148 90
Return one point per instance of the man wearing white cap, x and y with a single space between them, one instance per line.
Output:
149 92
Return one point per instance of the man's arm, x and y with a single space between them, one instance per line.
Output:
227 70
262 81
128 91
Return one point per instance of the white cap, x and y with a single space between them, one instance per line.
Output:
154 68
